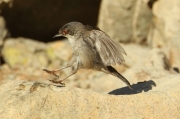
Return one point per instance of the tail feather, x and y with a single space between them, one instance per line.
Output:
117 74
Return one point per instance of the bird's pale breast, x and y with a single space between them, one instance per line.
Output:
87 56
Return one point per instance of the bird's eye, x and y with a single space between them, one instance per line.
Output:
67 31
64 32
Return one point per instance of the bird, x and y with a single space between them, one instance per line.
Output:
92 49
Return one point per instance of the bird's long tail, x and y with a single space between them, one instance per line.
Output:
117 74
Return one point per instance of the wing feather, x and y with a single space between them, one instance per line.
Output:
109 54
109 50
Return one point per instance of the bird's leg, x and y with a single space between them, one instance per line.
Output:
60 81
73 72
54 71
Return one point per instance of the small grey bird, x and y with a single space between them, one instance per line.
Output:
92 49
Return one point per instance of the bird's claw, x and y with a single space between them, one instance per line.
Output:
57 82
51 72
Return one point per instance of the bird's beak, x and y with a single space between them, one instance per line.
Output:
57 35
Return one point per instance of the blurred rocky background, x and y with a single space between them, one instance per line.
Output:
148 30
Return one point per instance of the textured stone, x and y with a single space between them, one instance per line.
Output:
136 54
22 99
166 29
57 54
24 52
125 20
3 30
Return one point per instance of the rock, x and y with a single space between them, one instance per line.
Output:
124 20
95 80
3 30
138 55
23 99
3 34
27 52
23 52
174 57
27 58
166 29
142 73
157 59
143 64
57 54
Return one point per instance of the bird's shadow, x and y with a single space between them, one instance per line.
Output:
137 88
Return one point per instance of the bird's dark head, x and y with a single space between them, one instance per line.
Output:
71 30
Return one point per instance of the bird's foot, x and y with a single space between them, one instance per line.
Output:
51 72
57 82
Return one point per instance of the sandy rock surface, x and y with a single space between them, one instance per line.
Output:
22 99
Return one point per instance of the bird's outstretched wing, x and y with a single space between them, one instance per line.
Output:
109 50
